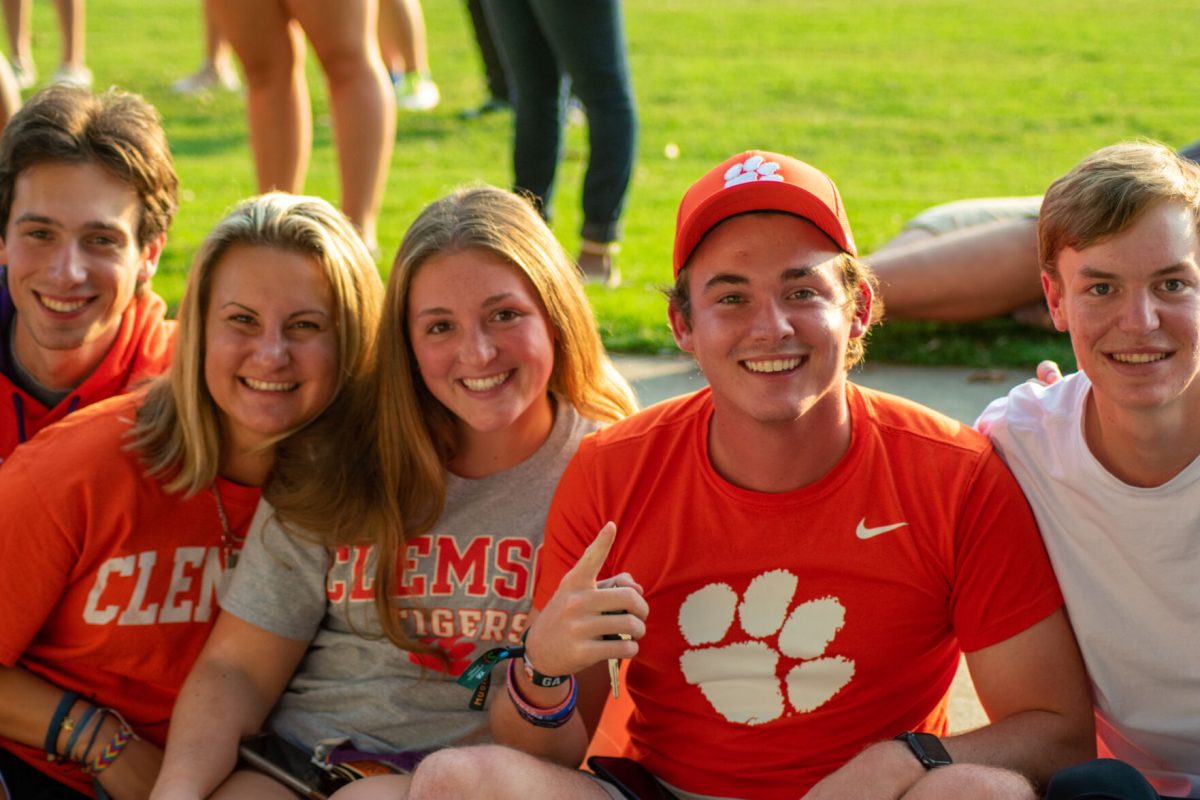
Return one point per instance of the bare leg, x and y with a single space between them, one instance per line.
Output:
980 272
71 19
16 19
405 25
271 48
971 780
217 70
252 786
217 54
383 787
10 94
391 38
343 35
498 773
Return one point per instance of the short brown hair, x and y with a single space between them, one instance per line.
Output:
117 130
1108 192
852 271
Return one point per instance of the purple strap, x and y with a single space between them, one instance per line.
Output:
405 760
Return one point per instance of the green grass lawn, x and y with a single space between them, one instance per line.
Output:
906 103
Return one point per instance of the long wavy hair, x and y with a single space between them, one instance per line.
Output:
386 482
177 431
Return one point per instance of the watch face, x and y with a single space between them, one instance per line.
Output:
928 749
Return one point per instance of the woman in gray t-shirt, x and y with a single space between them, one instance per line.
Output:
489 372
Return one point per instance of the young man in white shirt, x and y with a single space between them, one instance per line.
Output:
1109 458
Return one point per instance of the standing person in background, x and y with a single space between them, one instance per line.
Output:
543 43
216 71
87 192
121 523
73 67
268 37
406 54
434 492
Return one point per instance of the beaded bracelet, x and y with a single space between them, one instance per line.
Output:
542 717
58 721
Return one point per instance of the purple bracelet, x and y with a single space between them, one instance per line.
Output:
542 717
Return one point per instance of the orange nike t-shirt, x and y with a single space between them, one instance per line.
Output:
788 631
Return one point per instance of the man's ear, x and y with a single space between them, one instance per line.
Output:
861 321
1054 300
149 257
681 329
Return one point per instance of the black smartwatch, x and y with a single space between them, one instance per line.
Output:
928 749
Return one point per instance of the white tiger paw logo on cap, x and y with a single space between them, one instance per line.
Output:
764 655
754 168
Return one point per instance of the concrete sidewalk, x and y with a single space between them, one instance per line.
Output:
956 392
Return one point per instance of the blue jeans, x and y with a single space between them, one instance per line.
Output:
545 46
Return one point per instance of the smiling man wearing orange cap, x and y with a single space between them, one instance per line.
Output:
792 563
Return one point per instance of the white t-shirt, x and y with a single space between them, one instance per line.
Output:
1128 562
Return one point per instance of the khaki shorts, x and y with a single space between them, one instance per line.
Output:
962 214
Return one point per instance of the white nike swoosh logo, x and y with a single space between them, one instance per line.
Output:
870 533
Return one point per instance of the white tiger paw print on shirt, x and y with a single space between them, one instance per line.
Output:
754 168
741 679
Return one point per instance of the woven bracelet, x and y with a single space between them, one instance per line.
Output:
108 755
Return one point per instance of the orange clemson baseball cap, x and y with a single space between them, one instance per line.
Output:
758 180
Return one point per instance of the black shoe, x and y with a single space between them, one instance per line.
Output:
490 106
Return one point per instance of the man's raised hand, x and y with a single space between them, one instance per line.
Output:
568 635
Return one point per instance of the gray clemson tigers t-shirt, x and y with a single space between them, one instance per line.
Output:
466 586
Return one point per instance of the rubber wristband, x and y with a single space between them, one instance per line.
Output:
56 722
537 678
541 717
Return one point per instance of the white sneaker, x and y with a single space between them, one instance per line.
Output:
417 93
73 76
26 76
207 79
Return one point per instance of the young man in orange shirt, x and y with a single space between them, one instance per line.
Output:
87 192
795 562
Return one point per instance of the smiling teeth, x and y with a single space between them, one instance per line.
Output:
1138 358
774 365
60 306
483 384
266 386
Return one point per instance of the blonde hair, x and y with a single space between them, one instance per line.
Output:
1108 192
390 483
177 430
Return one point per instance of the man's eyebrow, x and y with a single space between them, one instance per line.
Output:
796 273
733 279
1095 273
29 216
98 224
726 279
